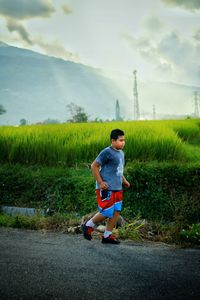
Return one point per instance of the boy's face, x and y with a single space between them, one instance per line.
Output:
119 143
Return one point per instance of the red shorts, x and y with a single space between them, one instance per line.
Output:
109 201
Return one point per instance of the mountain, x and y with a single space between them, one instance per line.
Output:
171 100
37 87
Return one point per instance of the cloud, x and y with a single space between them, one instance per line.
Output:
23 9
13 25
15 12
67 10
152 24
186 4
150 52
196 36
171 56
184 54
144 46
56 49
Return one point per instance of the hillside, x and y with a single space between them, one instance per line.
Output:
171 100
36 87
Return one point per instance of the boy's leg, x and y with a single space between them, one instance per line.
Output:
108 209
95 219
98 218
111 223
88 226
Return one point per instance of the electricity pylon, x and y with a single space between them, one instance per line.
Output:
196 105
135 98
117 111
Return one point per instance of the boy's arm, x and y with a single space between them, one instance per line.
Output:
125 182
95 171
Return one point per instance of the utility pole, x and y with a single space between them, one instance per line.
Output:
117 111
196 105
135 98
154 112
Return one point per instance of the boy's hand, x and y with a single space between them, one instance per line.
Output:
103 185
126 183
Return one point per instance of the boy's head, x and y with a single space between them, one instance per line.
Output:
117 139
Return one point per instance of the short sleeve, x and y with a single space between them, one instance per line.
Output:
103 157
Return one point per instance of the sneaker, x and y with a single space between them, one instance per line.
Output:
110 240
87 232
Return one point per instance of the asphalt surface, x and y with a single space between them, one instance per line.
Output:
47 265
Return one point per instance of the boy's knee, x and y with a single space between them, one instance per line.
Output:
116 212
115 215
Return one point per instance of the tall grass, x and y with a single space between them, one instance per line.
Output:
71 144
185 129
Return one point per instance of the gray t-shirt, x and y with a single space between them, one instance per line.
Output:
112 167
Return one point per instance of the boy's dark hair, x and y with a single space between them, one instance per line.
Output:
115 133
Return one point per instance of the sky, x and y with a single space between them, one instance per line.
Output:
158 38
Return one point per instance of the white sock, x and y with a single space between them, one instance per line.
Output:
107 233
90 223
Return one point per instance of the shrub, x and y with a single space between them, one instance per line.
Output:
19 221
58 189
161 191
191 235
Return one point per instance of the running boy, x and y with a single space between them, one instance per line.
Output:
107 169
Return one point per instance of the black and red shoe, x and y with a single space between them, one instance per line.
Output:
110 240
87 231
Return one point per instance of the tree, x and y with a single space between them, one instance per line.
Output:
2 110
23 122
78 114
51 121
97 120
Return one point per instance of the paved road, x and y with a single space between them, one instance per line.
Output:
39 265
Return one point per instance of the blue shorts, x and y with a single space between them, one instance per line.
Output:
109 201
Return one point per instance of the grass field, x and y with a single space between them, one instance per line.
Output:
71 144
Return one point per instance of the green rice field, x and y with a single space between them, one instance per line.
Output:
71 144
